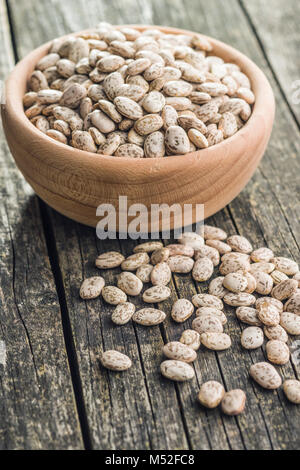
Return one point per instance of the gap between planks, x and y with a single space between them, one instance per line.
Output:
65 320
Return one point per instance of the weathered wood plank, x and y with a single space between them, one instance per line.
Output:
125 410
257 212
264 407
135 419
276 25
246 222
202 435
37 407
263 209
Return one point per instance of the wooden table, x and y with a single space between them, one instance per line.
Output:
53 393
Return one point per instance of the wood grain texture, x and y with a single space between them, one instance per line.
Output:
37 407
276 25
267 212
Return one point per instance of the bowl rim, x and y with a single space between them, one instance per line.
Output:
107 163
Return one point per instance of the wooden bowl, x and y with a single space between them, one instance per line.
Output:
75 182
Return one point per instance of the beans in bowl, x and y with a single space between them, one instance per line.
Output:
137 94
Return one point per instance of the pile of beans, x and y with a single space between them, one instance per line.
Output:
136 94
263 288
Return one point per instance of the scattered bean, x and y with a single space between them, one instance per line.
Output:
92 287
113 295
277 351
191 338
182 310
129 283
291 389
265 375
233 402
114 360
123 313
215 341
252 337
211 394
177 370
179 351
156 294
149 316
